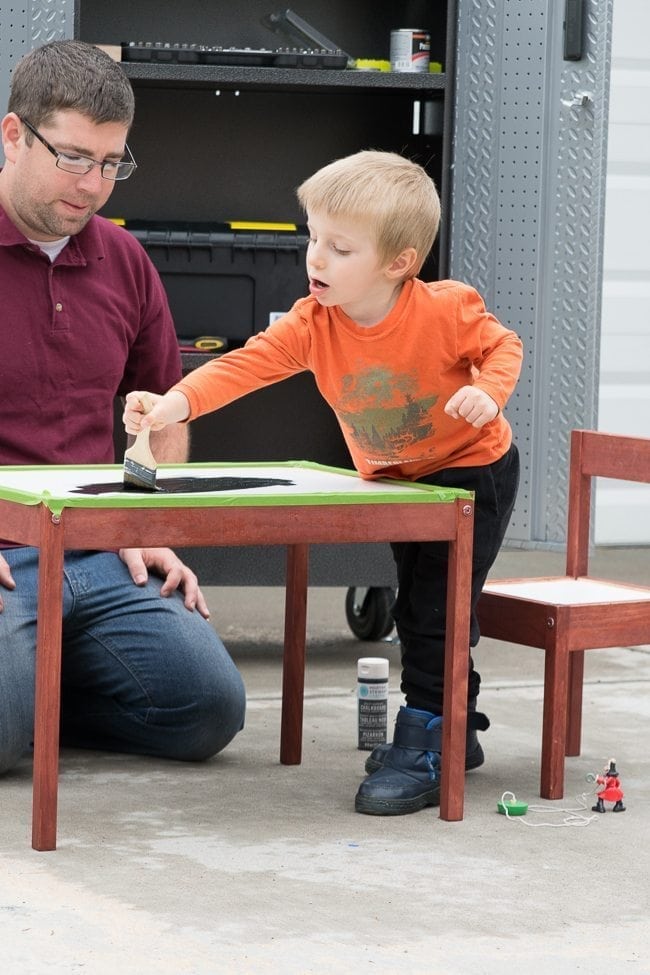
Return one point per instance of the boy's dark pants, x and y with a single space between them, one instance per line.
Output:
420 607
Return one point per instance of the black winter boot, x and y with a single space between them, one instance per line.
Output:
599 807
409 779
474 756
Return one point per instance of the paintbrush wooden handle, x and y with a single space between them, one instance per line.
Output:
140 451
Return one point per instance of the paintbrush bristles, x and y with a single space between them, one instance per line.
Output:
139 463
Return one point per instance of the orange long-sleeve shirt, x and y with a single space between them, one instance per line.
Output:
387 383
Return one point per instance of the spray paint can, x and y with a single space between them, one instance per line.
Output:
409 50
372 696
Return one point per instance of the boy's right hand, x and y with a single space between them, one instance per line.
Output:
173 407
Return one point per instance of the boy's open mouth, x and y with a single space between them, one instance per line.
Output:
316 285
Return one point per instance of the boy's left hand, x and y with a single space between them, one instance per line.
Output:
473 405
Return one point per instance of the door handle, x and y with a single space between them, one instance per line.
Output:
580 100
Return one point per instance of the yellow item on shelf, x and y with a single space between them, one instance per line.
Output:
260 225
210 343
371 64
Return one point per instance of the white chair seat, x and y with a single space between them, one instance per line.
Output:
565 591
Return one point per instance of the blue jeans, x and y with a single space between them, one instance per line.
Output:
140 672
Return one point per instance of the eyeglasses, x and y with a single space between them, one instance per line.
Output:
80 165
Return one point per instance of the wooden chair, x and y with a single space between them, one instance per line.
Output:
566 615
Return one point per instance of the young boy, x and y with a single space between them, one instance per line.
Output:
417 375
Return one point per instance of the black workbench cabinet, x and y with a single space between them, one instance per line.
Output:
219 143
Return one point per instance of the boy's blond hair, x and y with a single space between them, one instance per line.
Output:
394 197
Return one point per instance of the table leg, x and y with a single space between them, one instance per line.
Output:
554 715
454 727
293 667
48 682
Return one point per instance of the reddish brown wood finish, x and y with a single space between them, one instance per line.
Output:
296 526
293 666
47 701
454 703
565 632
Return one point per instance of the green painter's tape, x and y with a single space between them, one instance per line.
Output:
416 493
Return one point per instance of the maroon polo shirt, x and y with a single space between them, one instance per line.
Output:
74 334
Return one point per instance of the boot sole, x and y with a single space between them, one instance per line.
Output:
397 807
474 760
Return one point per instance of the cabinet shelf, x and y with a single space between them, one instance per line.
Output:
283 79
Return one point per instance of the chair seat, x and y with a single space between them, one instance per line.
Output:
566 591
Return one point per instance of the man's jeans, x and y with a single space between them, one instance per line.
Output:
140 672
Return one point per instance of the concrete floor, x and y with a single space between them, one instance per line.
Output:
245 866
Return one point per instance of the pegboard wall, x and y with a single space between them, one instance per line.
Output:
527 221
27 25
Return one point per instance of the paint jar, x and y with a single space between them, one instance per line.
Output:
410 49
372 698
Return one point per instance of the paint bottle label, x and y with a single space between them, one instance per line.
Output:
372 697
409 50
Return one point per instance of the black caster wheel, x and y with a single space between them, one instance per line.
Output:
368 611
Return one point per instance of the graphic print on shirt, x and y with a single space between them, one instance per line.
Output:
386 413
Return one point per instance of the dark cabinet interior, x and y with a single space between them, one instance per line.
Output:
219 143
216 143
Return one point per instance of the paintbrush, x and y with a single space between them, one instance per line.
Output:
139 463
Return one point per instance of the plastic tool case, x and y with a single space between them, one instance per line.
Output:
223 280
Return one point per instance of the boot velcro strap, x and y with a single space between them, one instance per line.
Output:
476 721
424 739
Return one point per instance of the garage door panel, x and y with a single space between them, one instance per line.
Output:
618 351
628 103
622 514
623 511
626 313
631 30
626 224
629 147
624 408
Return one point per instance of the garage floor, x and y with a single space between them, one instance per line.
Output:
241 865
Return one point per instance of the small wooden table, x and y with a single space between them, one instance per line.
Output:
41 506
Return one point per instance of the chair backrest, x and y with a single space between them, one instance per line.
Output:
595 454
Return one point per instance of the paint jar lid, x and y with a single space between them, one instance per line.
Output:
372 668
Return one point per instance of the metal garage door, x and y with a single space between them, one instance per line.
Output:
623 512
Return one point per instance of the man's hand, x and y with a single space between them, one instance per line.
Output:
164 563
173 407
473 405
6 579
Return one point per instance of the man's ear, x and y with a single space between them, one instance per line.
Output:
11 133
403 265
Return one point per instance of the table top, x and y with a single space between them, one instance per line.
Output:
211 485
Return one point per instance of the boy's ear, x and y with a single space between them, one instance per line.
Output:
402 266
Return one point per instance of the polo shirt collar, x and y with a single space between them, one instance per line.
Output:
81 248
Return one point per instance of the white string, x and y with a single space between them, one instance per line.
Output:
573 817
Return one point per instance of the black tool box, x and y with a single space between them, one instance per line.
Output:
226 279
159 52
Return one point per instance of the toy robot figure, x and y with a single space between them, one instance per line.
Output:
612 791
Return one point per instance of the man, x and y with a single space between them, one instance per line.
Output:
84 319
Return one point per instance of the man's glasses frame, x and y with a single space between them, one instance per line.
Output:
80 165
